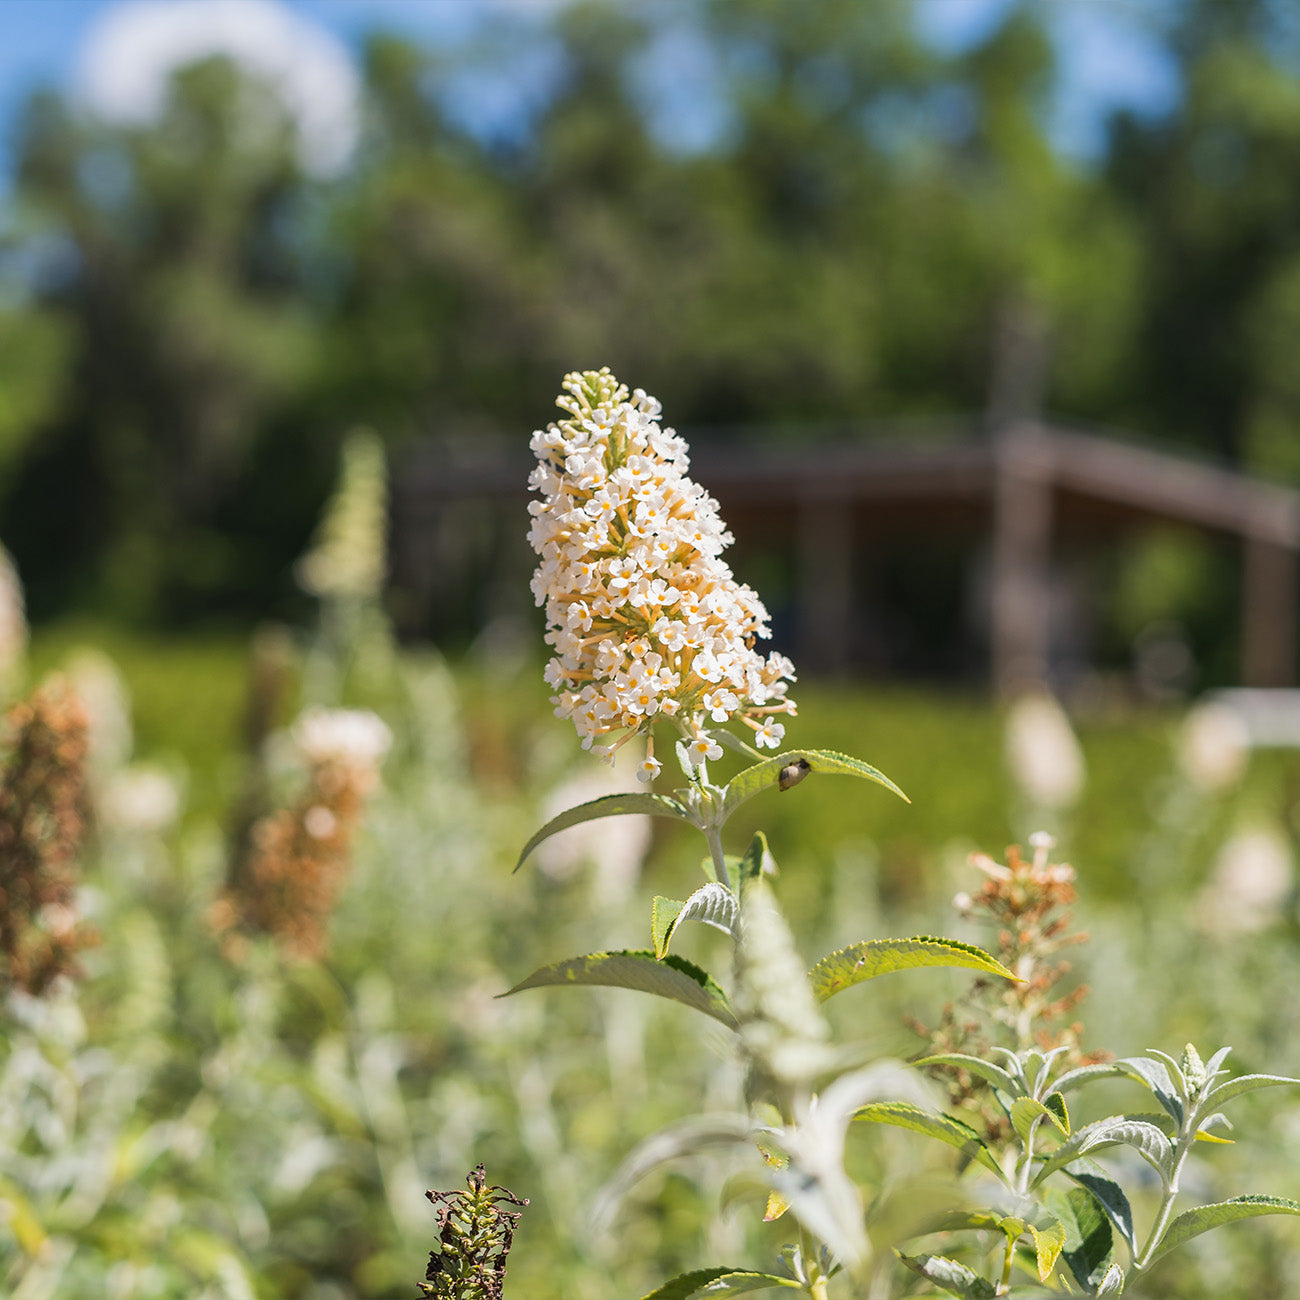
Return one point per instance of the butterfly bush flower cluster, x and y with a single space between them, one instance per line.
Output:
645 618
299 855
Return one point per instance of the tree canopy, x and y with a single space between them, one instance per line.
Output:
191 322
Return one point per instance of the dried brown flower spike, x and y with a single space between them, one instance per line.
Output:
42 827
474 1239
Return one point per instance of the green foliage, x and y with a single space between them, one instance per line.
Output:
611 805
718 1282
666 977
933 1124
319 1100
876 957
786 771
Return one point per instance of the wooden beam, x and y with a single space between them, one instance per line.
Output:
825 599
1022 538
1268 613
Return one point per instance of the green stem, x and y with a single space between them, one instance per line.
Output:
1143 1261
1004 1286
714 836
817 1280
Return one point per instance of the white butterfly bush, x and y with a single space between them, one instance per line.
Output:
645 618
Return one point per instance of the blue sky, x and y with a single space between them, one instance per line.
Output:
1110 55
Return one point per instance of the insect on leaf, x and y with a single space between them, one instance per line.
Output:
786 770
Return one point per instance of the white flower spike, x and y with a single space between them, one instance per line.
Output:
644 616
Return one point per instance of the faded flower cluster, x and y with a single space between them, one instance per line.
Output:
289 875
645 618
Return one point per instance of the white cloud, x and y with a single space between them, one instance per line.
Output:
132 50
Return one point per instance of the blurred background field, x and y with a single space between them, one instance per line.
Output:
235 233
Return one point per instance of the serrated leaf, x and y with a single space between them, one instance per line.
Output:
1244 1083
756 861
767 775
1056 1104
1089 1244
933 1124
1025 1114
714 904
1191 1223
719 1282
1049 1237
1086 1073
1141 1135
866 961
776 1206
663 917
953 1277
1217 1120
609 805
1155 1076
976 1065
673 977
1109 1195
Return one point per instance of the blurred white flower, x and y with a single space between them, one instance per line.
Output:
356 737
614 847
1043 752
101 688
1214 747
13 618
141 798
347 559
1252 882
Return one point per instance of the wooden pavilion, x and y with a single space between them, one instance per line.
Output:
1016 490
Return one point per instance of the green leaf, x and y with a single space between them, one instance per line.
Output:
1109 1195
663 921
1243 1084
1089 1244
1049 1237
674 977
1025 1114
757 861
719 1281
1086 1073
714 904
1113 1282
610 805
768 775
1192 1223
1056 1104
953 1277
1156 1077
976 1065
865 961
933 1124
1142 1135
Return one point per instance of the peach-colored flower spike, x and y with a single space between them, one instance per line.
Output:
645 618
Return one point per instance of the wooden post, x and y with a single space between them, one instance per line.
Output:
1268 612
1022 537
825 606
